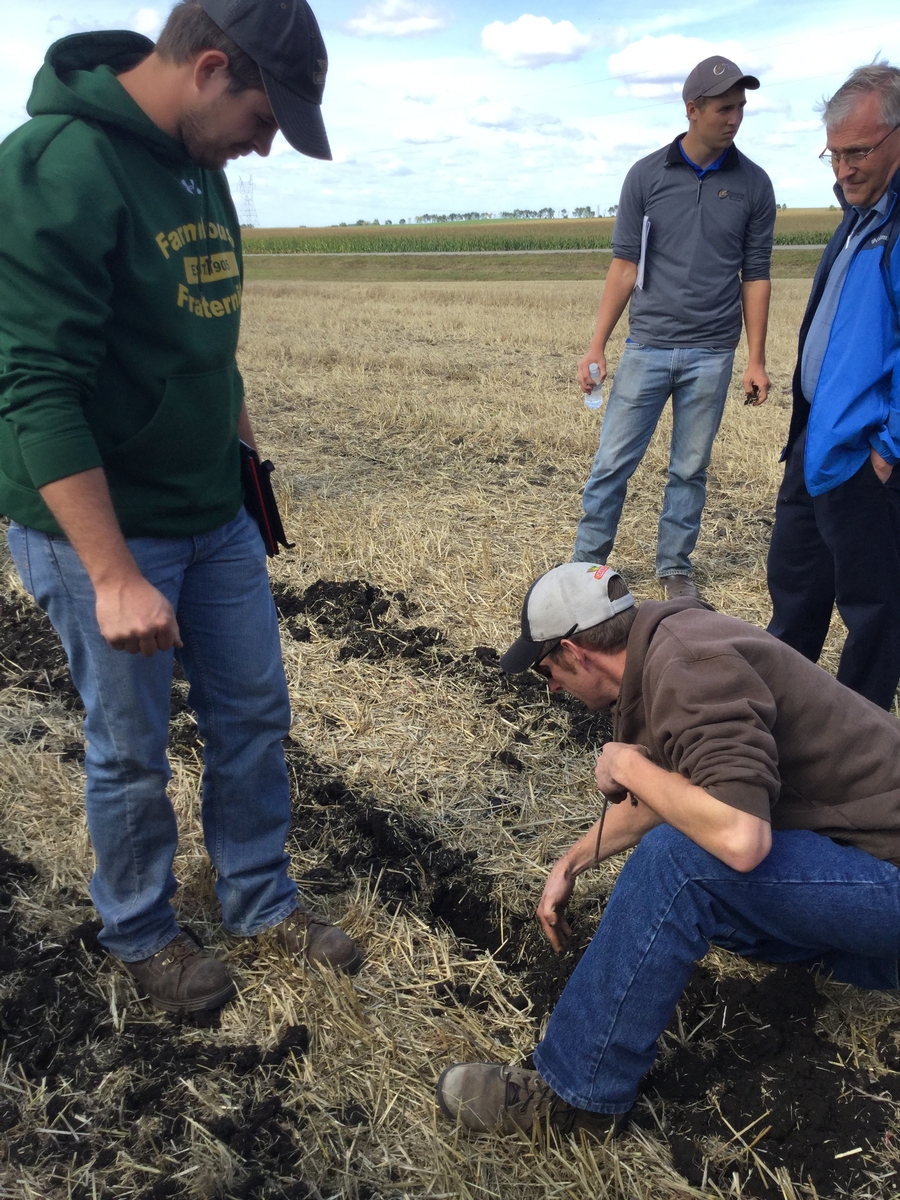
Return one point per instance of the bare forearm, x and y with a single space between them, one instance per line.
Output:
755 297
624 826
617 289
131 613
84 510
737 838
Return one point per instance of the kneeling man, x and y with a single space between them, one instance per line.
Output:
763 799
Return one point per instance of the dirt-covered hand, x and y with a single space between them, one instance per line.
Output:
609 762
552 907
585 382
134 616
756 385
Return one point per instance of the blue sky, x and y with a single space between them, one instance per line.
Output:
461 106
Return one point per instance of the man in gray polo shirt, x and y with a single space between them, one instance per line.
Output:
691 250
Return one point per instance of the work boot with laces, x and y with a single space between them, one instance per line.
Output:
303 935
490 1098
183 977
678 587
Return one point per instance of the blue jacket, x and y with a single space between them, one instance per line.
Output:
856 405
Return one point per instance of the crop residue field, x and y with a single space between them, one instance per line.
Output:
430 444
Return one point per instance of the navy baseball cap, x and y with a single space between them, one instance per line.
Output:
283 39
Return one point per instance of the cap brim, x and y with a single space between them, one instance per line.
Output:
299 120
744 81
521 655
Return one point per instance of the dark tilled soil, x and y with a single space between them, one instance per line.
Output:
61 1041
741 1058
757 1066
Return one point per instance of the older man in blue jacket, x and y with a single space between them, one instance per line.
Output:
837 528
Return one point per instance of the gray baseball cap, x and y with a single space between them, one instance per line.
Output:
283 39
714 76
566 600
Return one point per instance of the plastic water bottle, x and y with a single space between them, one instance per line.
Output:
594 398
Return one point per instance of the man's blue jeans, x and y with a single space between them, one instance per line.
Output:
218 585
810 900
697 379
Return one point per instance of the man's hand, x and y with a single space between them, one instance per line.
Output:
609 762
880 466
585 381
756 385
136 617
551 910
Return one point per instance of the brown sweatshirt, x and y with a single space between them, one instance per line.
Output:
759 727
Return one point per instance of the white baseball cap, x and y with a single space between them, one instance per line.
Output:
570 598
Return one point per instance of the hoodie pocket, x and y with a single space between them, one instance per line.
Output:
190 433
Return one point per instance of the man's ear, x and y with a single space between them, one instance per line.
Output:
691 110
211 70
574 654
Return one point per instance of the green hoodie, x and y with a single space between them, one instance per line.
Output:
120 295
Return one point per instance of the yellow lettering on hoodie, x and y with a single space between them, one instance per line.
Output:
208 269
162 242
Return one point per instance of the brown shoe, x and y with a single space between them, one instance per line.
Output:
304 935
677 587
183 977
490 1098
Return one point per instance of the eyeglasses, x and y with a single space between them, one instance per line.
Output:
853 158
546 672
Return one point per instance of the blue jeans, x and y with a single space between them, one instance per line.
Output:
810 900
697 379
218 585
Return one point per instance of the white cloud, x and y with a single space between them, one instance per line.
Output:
148 21
658 66
422 133
802 126
534 41
780 139
500 116
766 102
397 18
393 166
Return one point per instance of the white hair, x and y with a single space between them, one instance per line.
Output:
878 77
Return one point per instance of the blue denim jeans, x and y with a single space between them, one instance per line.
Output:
697 379
218 585
810 900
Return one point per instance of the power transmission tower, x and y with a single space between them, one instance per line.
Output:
248 208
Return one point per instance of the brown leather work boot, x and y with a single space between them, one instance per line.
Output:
678 586
183 977
304 935
490 1098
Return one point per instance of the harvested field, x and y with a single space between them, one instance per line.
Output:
430 444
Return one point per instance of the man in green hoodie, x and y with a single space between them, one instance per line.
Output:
121 409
